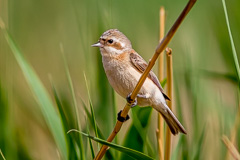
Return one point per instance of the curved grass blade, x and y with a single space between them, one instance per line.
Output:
90 118
216 75
200 145
70 138
109 155
79 141
2 155
136 137
90 141
42 97
232 42
133 153
91 107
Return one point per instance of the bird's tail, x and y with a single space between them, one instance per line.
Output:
172 122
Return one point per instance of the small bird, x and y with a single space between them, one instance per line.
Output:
124 67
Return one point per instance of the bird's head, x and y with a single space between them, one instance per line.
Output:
113 42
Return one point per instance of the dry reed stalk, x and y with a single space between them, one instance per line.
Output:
160 130
231 148
161 46
169 103
234 132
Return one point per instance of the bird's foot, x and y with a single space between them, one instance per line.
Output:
122 119
131 101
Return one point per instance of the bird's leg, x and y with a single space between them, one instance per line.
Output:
133 104
130 101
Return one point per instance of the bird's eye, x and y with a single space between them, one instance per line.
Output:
110 41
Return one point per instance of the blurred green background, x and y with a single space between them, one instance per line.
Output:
206 96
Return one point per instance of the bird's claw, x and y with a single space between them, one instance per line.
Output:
131 101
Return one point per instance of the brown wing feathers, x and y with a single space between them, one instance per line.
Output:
141 65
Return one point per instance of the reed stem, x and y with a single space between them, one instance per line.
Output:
160 130
169 103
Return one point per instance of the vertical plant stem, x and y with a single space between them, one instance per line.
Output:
170 94
160 130
232 42
234 130
161 46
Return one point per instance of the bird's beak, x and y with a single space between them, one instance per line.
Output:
98 44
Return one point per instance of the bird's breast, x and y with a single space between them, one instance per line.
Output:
121 75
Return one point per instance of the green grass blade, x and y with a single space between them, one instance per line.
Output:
109 154
222 76
232 44
42 97
70 138
91 148
80 143
141 120
133 153
90 141
91 108
60 108
164 82
231 39
4 113
200 145
89 116
2 155
136 138
6 131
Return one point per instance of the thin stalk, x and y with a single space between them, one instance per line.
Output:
234 130
231 148
91 109
160 130
69 78
162 45
170 94
2 155
232 42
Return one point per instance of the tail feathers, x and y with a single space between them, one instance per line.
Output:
172 122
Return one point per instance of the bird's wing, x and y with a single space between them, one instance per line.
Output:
140 64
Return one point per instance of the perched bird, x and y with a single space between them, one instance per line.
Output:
124 67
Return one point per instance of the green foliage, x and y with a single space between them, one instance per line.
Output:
136 138
67 126
129 151
42 97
